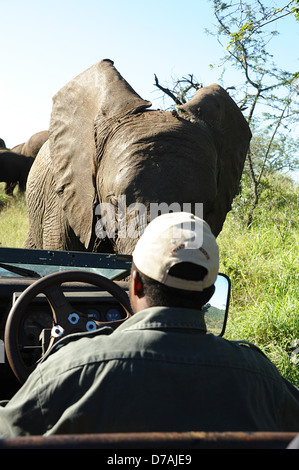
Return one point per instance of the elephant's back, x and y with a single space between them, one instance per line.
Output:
159 157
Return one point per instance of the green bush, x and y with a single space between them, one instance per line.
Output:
262 262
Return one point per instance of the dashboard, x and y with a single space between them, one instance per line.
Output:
29 330
37 321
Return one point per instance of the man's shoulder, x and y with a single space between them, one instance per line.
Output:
244 354
250 346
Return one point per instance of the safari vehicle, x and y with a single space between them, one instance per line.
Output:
46 294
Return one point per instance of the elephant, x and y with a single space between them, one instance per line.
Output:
106 146
27 149
14 168
33 144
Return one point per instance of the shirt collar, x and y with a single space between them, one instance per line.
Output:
165 317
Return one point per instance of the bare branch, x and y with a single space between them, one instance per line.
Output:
167 91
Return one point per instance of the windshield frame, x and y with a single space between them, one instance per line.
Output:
67 259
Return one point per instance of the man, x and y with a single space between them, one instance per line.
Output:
160 370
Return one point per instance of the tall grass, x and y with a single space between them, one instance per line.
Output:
262 263
13 219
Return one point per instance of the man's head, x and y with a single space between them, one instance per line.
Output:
175 263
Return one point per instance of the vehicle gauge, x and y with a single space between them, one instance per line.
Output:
34 323
113 314
94 314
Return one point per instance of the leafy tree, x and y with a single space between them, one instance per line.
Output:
267 94
268 91
273 154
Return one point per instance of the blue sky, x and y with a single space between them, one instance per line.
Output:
44 44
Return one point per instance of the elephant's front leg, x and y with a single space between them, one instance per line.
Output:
9 188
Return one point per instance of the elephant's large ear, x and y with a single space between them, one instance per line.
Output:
118 97
72 142
213 105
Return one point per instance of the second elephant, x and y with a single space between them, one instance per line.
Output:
105 145
14 168
27 149
33 144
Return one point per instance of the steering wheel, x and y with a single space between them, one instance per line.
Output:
66 320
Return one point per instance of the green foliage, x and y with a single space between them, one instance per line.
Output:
282 154
263 265
13 219
245 29
268 94
3 198
278 203
295 9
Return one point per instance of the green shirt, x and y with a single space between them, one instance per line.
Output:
159 371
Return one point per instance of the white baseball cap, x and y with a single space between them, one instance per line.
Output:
175 238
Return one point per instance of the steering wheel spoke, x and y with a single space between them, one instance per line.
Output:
60 306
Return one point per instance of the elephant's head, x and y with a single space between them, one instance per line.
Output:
106 144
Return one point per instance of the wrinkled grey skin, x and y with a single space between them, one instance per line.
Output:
14 168
104 143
